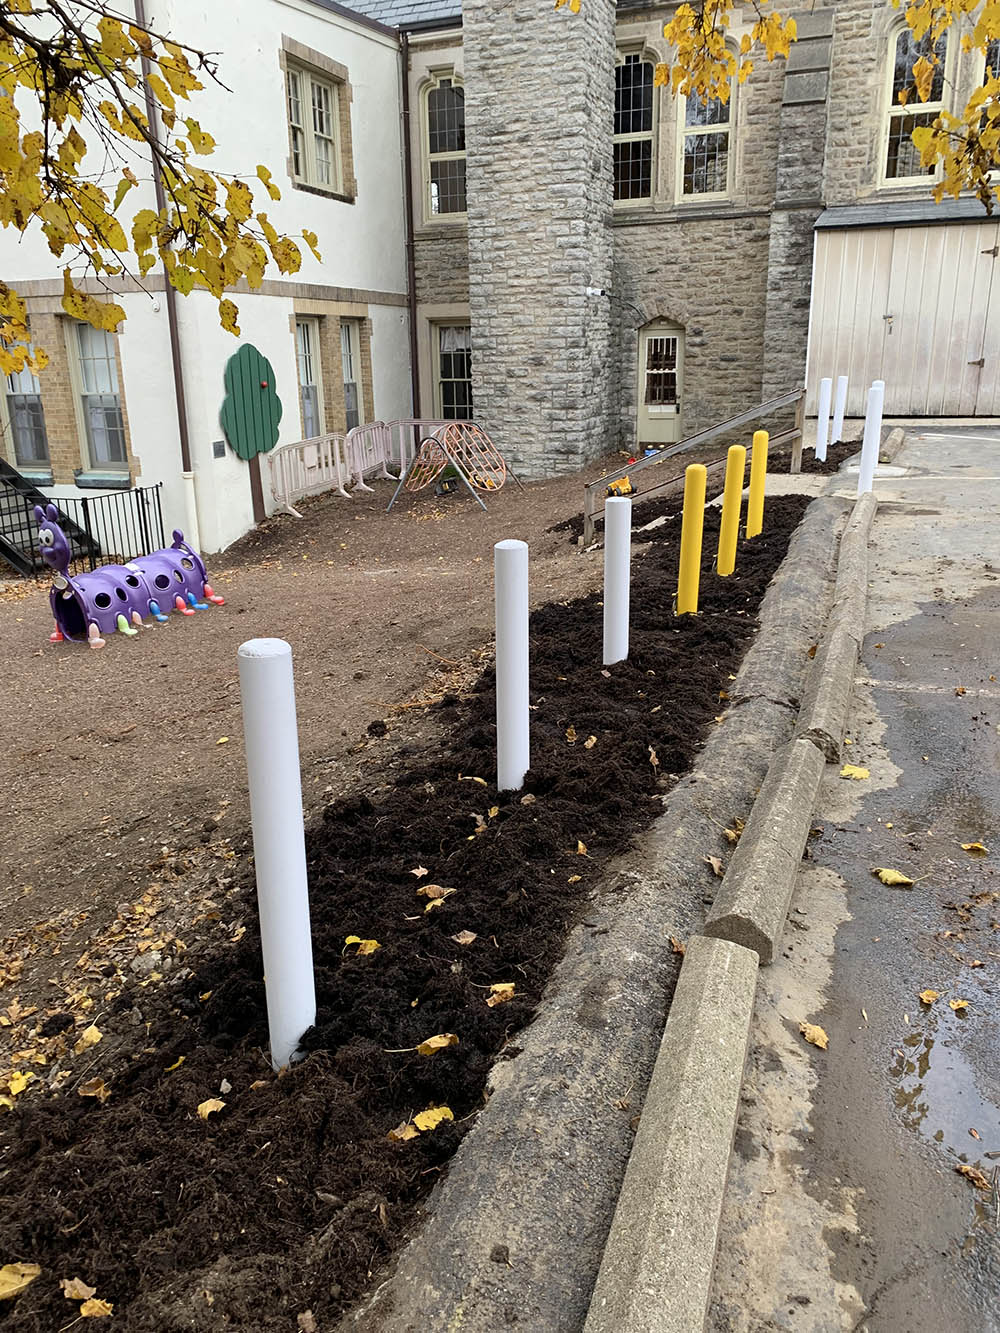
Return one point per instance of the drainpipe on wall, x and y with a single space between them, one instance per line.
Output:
192 528
411 278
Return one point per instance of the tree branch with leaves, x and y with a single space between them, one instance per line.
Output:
119 94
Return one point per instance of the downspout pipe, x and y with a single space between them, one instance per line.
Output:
411 274
192 526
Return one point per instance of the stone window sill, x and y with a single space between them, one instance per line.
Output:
323 192
102 481
39 477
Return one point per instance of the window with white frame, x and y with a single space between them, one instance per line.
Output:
453 381
444 110
314 126
906 112
706 144
350 357
307 360
633 128
25 420
99 398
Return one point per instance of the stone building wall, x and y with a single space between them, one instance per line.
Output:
539 87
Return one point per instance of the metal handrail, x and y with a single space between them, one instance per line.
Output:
596 490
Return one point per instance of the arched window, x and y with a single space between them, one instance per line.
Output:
633 129
444 106
906 111
706 155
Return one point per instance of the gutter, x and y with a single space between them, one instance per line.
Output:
411 276
192 527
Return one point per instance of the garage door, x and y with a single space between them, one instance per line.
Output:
918 307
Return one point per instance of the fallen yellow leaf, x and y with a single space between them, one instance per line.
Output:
95 1309
853 771
432 1117
492 812
419 871
716 864
403 1132
437 1043
75 1289
581 848
95 1087
433 891
958 1005
892 877
929 996
959 689
973 1173
88 1037
814 1035
676 945
590 742
364 946
500 993
15 1277
654 758
571 735
18 1081
465 937
574 879
223 740
974 849
206 1108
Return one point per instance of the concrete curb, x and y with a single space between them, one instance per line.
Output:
654 1275
893 443
823 715
516 1230
753 899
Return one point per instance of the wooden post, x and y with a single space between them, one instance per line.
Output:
800 413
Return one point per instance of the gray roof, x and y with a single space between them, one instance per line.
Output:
410 13
899 212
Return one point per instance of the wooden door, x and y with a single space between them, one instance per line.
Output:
660 385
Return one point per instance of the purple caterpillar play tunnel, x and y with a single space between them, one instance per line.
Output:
119 597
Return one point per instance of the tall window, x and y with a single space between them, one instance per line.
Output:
313 120
446 147
906 112
99 399
350 356
707 129
27 424
633 144
307 358
454 371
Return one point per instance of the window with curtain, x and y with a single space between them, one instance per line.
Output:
26 421
454 377
906 111
633 128
706 145
307 360
314 124
445 118
100 399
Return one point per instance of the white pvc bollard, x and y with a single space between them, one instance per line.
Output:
617 559
823 419
873 437
279 846
510 573
839 408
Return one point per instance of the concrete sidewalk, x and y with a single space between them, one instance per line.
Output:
844 1208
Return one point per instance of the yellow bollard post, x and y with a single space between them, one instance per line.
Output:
692 525
732 502
758 471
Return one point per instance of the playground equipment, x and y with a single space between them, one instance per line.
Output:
476 460
117 597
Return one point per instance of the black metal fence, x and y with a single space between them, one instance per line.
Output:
103 529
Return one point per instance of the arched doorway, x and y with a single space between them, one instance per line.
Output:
659 394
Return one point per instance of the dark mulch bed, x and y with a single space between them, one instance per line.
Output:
644 511
289 1198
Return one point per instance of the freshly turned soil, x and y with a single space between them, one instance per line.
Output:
290 1197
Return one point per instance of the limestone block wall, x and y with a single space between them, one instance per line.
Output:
539 88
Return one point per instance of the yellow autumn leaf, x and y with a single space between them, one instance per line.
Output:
854 771
95 1087
571 735
15 1277
975 849
581 848
492 812
973 1174
88 1037
432 1117
814 1035
959 1006
929 996
590 742
75 1289
269 185
311 240
437 1043
891 877
403 1132
176 1065
574 879
206 1108
96 1309
434 891
18 1081
364 946
500 993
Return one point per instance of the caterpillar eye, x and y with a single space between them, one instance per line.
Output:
46 537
